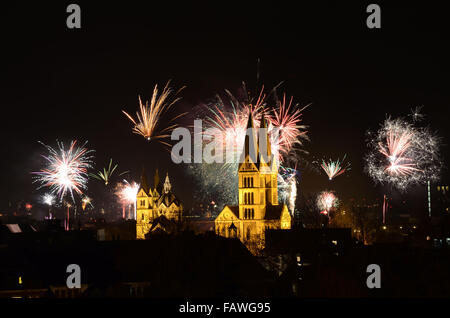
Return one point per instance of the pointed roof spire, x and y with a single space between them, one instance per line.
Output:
167 185
144 182
266 155
250 120
156 179
250 146
263 118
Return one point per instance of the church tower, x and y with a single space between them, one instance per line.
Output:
268 166
258 209
249 198
167 185
153 204
144 207
258 184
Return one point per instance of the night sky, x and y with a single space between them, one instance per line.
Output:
64 84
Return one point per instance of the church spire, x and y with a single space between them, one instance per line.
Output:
156 179
144 182
167 185
266 148
250 146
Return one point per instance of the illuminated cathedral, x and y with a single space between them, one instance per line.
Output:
154 204
258 208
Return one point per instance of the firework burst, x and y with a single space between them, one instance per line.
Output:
107 173
48 199
401 154
86 201
66 170
127 192
287 119
229 117
232 124
326 200
148 117
287 187
416 114
334 168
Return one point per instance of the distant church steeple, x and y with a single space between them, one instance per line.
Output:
156 179
167 185
154 203
144 182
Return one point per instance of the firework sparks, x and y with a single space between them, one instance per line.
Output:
232 124
287 120
149 114
401 154
48 199
66 170
416 114
335 168
326 200
85 202
127 192
229 117
107 173
397 144
287 187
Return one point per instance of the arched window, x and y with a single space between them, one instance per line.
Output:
253 213
251 182
252 198
245 182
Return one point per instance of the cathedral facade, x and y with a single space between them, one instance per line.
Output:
258 208
155 203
